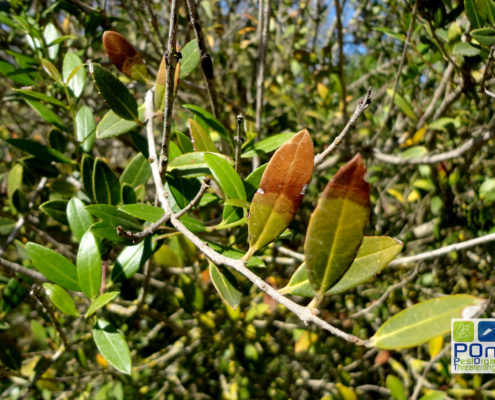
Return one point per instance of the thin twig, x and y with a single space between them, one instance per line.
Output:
481 89
63 249
206 62
387 293
340 38
154 23
362 105
204 187
19 269
436 158
238 143
171 59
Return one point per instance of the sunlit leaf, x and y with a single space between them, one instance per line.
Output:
85 128
396 387
200 139
112 125
192 165
80 220
160 85
209 120
106 186
267 145
112 346
132 258
100 302
61 299
138 172
143 211
57 209
89 265
435 346
306 342
226 284
403 104
76 83
190 58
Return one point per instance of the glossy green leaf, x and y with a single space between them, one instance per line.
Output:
466 49
31 94
20 201
200 138
209 120
76 82
100 302
396 387
238 203
51 70
112 346
50 34
18 75
185 143
40 167
473 14
106 186
38 150
57 209
190 58
267 145
414 152
226 284
61 299
192 224
227 251
13 295
85 128
62 187
174 151
47 114
229 181
80 220
115 93
89 266
484 36
112 125
422 322
144 211
336 227
403 104
138 172
434 395
57 140
128 194
252 182
87 169
281 191
192 165
141 143
131 259
374 254
54 266
444 123
183 191
114 216
108 230
10 355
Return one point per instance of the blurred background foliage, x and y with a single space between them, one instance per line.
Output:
203 349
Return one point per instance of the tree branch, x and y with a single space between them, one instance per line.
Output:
340 38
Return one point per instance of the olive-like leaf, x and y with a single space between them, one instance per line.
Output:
76 82
160 86
124 56
13 295
143 211
89 265
39 150
209 120
113 215
281 191
373 256
128 194
253 180
115 94
61 299
10 355
112 125
31 94
484 36
57 209
267 145
473 14
85 128
80 220
190 58
57 140
112 346
200 138
51 70
138 172
422 322
185 143
132 258
40 167
193 165
106 186
226 284
336 227
87 169
54 266
100 302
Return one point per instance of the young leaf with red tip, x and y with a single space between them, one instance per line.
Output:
336 227
281 191
124 56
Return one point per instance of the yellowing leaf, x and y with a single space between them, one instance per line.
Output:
281 191
403 104
346 392
416 138
322 91
435 345
395 193
336 227
306 342
413 196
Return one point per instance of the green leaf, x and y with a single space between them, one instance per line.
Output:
465 49
106 186
396 388
472 12
80 220
185 143
89 266
138 172
209 120
128 194
51 70
13 295
7 225
252 182
227 286
114 216
403 104
281 191
389 32
112 346
18 75
61 299
31 94
76 83
193 165
108 230
484 36
131 259
62 187
85 128
10 354
115 94
268 145
227 178
227 251
47 114
174 151
57 209
374 254
141 143
143 211
238 203
190 58
40 151
414 152
422 322
434 395
336 227
443 124
40 167
200 138
50 34
57 140
87 169
100 302
192 224
112 125
183 191
160 84
20 201
54 266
